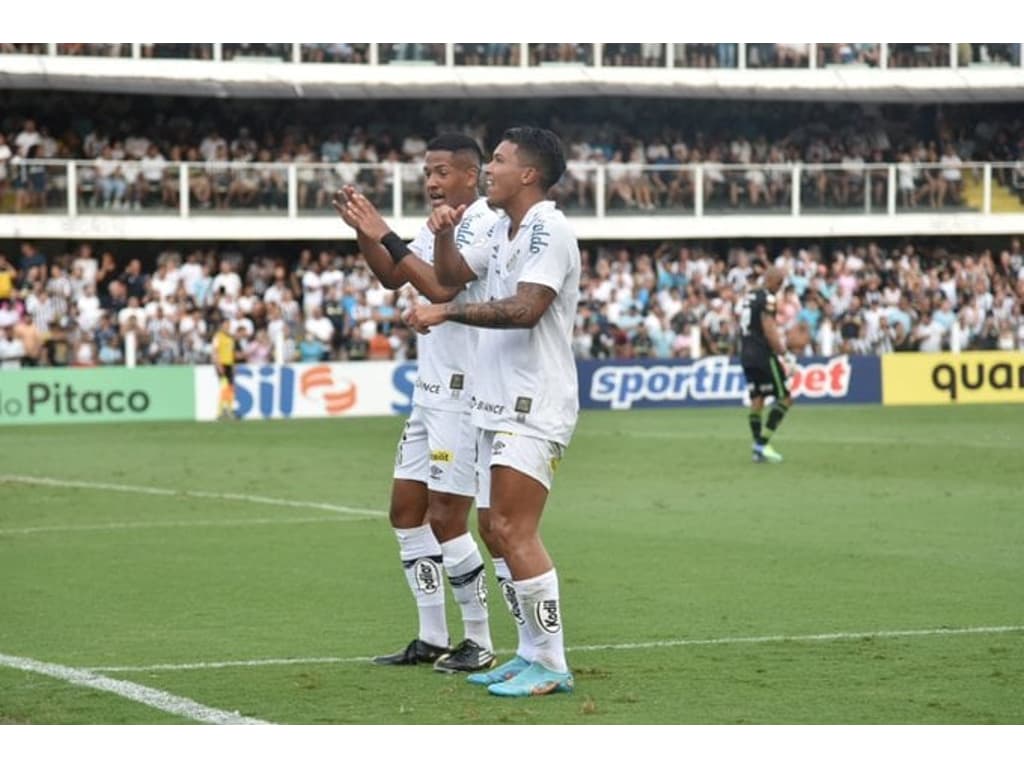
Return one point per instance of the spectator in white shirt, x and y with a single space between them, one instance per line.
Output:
28 137
11 349
228 279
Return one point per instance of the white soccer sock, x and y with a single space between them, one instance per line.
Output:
465 569
525 649
538 600
421 559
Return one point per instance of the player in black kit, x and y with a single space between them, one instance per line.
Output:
765 363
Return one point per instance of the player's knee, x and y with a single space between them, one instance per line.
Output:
448 516
405 516
502 531
486 531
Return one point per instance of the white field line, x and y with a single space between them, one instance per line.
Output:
54 482
175 524
151 697
818 638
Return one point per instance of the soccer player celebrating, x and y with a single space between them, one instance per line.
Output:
526 399
766 364
435 466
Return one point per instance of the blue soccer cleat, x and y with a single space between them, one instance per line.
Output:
506 671
535 680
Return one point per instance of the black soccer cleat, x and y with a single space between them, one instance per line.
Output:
416 652
467 656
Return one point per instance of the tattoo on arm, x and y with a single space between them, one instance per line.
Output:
520 311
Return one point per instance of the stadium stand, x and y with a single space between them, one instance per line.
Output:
646 293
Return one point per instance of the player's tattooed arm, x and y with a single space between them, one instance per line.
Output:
520 311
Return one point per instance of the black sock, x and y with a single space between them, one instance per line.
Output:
755 426
775 417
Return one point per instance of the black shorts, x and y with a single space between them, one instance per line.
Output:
229 373
765 377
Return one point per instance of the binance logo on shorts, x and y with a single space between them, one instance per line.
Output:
446 456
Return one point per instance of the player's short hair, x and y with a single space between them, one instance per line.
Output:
457 144
541 149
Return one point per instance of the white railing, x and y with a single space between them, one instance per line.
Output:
76 188
649 55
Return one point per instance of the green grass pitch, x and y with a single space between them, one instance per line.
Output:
884 533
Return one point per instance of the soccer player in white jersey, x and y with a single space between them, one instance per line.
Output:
525 397
435 466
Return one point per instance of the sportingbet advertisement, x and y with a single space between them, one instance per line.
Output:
309 390
948 379
87 395
621 385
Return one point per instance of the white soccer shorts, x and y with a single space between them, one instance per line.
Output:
438 448
532 456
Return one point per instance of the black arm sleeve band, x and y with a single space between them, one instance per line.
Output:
395 246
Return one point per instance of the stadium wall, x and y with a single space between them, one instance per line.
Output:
325 390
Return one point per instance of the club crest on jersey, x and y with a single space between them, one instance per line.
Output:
428 575
546 612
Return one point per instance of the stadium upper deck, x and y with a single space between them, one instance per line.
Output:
701 196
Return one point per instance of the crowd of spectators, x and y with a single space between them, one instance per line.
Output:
673 299
683 300
134 143
692 55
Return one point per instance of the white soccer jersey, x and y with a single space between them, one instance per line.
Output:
444 376
526 377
